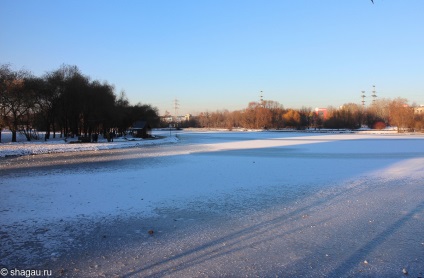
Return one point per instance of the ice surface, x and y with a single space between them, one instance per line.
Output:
221 204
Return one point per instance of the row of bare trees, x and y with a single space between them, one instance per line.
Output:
271 114
258 115
381 113
64 101
68 102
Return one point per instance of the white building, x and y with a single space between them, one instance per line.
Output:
178 119
419 110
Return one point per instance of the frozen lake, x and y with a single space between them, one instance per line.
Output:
220 204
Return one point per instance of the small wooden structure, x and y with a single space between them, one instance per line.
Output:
141 129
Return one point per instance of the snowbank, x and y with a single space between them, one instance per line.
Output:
60 145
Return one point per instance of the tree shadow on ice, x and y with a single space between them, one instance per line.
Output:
285 225
363 251
266 230
243 239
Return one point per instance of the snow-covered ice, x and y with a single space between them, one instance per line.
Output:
219 204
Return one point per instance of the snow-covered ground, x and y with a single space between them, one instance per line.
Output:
60 145
218 204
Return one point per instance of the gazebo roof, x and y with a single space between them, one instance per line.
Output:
140 125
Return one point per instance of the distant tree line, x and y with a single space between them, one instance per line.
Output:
67 102
271 114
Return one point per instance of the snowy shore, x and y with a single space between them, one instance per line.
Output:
23 147
60 145
215 204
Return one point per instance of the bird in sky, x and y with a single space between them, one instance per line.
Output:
372 1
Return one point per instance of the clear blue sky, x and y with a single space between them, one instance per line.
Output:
213 54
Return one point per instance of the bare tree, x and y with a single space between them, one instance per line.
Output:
305 117
292 118
418 122
378 112
16 102
204 119
5 75
401 114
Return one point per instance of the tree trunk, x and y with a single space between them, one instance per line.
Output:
54 131
47 134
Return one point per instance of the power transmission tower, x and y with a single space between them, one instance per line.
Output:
374 94
363 98
176 106
261 98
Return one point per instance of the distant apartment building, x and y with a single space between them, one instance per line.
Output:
187 117
167 119
321 112
419 110
181 118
